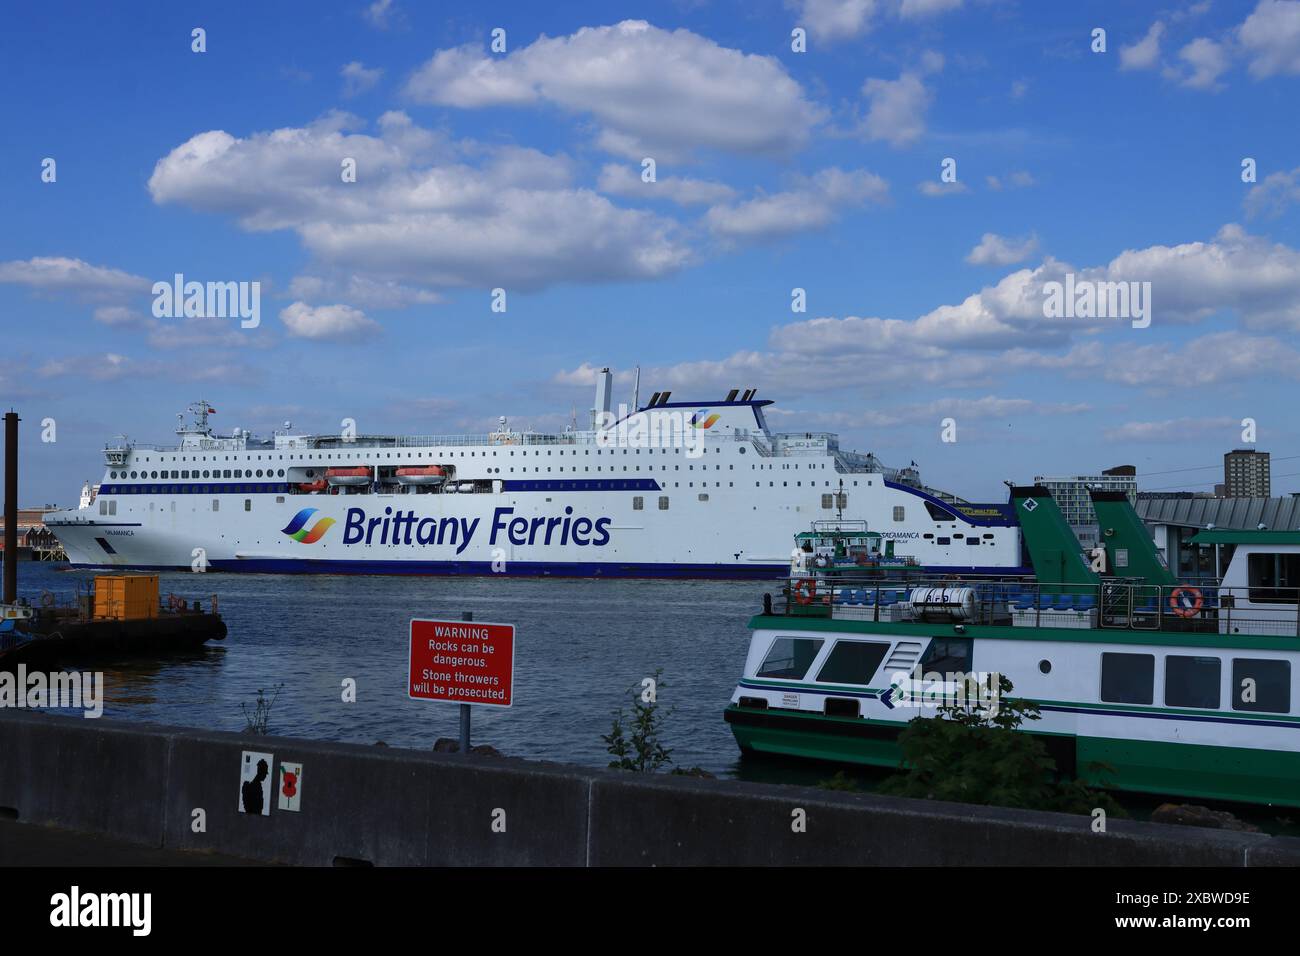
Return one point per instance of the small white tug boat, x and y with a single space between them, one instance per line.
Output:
1144 683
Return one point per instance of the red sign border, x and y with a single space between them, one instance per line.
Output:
410 640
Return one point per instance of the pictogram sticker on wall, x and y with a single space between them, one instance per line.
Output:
255 783
290 786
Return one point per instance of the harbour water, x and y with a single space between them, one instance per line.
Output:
580 645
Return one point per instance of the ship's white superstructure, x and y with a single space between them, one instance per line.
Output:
691 489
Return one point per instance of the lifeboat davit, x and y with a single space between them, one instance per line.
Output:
421 475
358 475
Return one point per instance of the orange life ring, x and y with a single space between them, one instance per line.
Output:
1185 610
805 590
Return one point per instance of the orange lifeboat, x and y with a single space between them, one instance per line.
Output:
421 475
351 476
320 484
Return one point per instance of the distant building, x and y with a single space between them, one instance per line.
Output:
1174 521
1247 474
33 536
1072 496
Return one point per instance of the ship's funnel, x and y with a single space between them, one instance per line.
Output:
600 411
1054 550
1130 550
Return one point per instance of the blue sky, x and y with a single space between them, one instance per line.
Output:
774 170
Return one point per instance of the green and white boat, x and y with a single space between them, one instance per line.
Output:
1144 683
845 547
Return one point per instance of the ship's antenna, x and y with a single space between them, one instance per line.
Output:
636 391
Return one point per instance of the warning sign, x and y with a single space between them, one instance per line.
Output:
464 662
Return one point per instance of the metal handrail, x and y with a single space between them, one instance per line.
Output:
1113 604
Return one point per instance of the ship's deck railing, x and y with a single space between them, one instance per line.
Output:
496 439
1126 604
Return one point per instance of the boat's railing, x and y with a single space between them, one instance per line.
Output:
1128 604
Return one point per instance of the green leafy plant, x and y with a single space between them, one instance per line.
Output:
635 740
259 720
969 755
841 781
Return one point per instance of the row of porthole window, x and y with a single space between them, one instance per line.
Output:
215 473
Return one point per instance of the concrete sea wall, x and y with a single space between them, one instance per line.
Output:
391 807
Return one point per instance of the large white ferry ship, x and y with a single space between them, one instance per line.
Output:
677 489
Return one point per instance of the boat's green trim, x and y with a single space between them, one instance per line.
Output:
1195 770
1144 766
816 736
1103 635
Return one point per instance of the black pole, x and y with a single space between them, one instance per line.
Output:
11 508
464 708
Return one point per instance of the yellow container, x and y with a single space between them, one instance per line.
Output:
126 597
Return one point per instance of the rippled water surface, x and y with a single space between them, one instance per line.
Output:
580 645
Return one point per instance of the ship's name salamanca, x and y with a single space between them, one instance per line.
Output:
406 527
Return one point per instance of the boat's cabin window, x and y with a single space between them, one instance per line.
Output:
853 662
790 657
947 655
1128 678
1261 685
939 514
1192 681
1273 578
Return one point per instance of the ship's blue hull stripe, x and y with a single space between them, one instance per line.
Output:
576 569
484 568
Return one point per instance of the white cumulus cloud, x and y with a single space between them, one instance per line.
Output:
357 78
814 203
651 92
1144 54
618 179
1270 38
996 250
326 322
423 212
